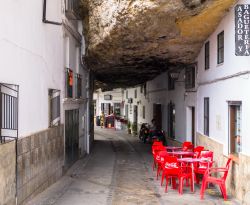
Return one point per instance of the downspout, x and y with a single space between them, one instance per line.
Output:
16 143
44 15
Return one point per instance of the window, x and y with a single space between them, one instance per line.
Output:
126 94
235 127
141 87
8 112
220 47
54 107
143 111
190 77
206 116
170 82
117 109
207 55
79 85
69 83
135 93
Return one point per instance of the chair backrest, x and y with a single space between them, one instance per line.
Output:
186 145
227 167
161 156
171 165
208 156
157 143
197 151
156 149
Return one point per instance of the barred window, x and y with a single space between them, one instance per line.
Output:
207 57
79 85
54 107
220 47
69 83
206 116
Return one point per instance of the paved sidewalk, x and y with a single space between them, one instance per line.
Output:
118 172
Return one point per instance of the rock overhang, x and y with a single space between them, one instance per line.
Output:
132 41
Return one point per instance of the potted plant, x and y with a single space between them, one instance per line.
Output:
134 128
129 127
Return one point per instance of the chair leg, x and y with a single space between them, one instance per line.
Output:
191 185
181 185
166 187
162 177
203 187
223 191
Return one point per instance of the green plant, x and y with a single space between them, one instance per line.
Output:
134 127
129 124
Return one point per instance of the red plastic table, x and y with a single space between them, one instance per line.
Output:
181 153
172 148
192 161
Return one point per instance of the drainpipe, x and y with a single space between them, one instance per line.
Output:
44 15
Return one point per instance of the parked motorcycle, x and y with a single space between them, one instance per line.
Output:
144 131
149 136
157 135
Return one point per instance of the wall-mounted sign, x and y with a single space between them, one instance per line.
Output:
242 30
107 97
130 100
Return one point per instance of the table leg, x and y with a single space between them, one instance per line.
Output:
192 166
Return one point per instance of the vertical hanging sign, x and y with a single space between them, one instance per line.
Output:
242 30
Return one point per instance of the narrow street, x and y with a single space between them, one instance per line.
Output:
118 171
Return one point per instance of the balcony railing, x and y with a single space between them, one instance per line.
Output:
72 9
8 112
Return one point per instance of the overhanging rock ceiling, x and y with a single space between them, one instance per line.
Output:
132 41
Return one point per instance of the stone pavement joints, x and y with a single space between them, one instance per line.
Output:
118 172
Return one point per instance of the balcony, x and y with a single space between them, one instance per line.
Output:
72 8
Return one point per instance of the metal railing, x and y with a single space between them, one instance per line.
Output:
8 112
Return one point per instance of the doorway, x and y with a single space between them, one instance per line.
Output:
157 115
71 136
234 127
190 123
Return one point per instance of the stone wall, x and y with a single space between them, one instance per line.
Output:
7 173
40 162
238 180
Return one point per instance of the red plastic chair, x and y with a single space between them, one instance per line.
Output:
197 151
187 146
221 181
157 143
160 160
174 171
155 150
201 167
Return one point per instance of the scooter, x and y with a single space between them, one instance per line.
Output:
156 135
144 132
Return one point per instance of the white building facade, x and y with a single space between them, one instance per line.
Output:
44 90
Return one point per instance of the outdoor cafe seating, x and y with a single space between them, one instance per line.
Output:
176 164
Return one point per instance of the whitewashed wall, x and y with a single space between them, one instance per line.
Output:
233 89
31 57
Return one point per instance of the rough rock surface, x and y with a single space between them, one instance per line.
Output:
131 41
